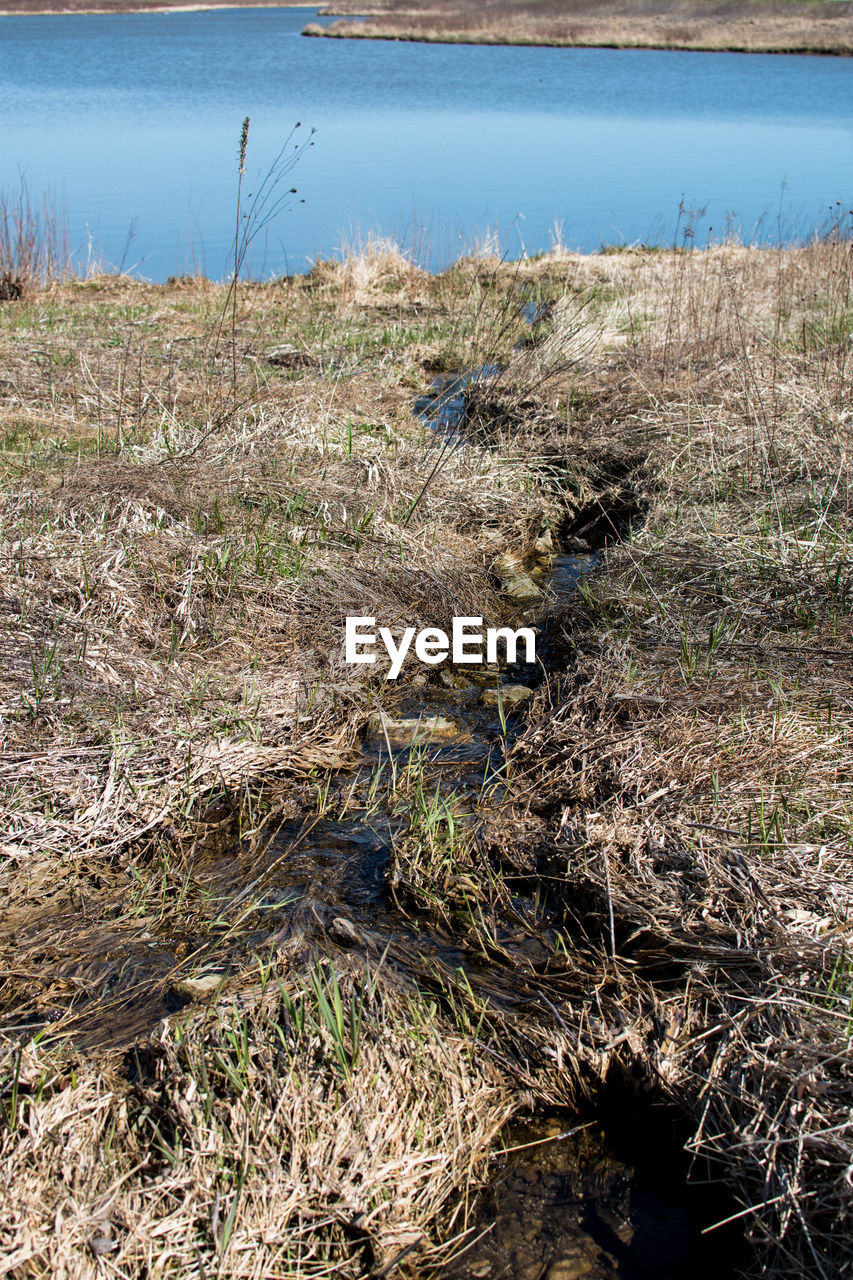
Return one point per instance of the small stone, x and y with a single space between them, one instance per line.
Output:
408 732
544 546
287 357
344 932
480 1269
517 583
199 988
569 1269
454 680
511 695
522 588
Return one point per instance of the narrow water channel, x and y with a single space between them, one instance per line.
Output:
569 1196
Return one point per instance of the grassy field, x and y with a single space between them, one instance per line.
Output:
194 1082
753 26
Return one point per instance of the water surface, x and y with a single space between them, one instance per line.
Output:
133 121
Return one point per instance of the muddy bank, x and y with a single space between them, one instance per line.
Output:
571 1200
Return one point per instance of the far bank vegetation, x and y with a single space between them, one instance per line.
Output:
756 26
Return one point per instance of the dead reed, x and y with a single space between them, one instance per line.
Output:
33 245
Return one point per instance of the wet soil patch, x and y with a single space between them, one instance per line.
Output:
594 1200
611 518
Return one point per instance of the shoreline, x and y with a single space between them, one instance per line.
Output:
738 26
495 40
781 36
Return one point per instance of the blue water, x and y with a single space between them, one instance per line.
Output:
132 123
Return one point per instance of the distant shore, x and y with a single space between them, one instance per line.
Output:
741 26
820 27
25 8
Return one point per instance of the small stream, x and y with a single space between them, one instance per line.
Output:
601 1198
569 1199
328 878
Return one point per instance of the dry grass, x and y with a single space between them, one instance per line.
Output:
671 829
176 568
690 777
761 26
237 1146
33 245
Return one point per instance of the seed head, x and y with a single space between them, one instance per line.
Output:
244 138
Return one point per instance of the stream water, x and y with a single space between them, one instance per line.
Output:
601 1197
598 1198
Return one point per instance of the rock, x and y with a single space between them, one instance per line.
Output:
344 932
522 588
287 357
455 680
199 988
569 1269
408 733
517 583
544 547
511 695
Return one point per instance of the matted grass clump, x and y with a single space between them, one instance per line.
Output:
253 1140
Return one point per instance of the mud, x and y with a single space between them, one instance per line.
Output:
564 1202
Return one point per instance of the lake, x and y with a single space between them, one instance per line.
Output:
132 123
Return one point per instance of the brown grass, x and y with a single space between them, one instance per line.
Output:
763 26
176 563
33 245
690 776
176 570
277 1165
